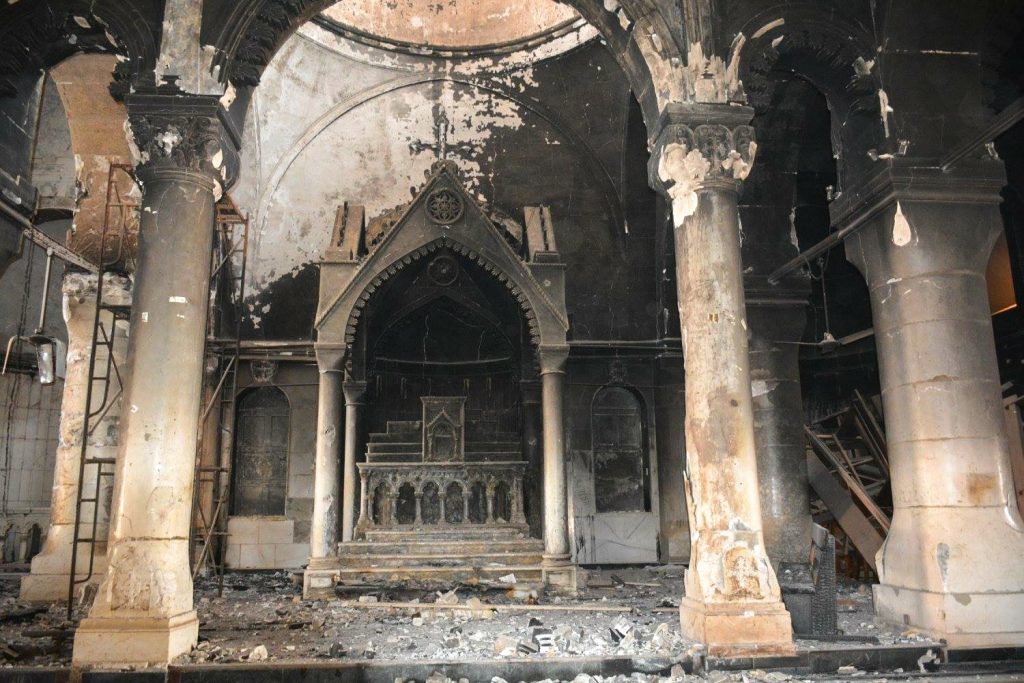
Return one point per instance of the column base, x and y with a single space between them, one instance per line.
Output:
319 579
744 629
954 573
559 574
112 642
963 620
44 587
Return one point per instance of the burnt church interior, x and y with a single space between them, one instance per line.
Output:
564 340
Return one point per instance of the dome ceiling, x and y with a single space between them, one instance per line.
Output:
453 24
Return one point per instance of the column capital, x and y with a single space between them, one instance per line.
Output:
699 147
900 180
181 136
330 357
355 392
553 358
904 221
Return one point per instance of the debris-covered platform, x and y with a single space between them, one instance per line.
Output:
622 625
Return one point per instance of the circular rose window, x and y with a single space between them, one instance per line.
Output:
444 206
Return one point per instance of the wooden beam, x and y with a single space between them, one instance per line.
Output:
840 503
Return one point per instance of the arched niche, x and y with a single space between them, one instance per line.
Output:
260 472
620 463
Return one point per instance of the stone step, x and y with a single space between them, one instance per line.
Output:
494 456
450 534
493 444
451 560
394 447
523 573
435 549
393 457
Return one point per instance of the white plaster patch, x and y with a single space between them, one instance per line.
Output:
760 387
885 109
901 231
177 300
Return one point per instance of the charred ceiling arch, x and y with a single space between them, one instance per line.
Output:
38 35
248 33
833 55
580 145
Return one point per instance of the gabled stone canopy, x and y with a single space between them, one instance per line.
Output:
441 215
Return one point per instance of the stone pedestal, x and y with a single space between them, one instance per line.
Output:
951 564
318 580
732 602
50 576
558 570
143 613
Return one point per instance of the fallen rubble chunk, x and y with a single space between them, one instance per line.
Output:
544 640
259 654
504 646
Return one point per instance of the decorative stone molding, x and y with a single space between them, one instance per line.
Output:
699 146
178 131
553 358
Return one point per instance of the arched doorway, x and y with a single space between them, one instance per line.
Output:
260 471
620 525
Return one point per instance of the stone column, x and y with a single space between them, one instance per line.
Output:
491 489
364 503
143 613
732 601
318 579
50 575
354 393
775 324
951 564
558 571
533 454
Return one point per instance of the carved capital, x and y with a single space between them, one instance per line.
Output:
329 357
700 147
354 392
552 358
179 132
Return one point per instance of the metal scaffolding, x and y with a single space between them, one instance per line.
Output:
212 490
103 376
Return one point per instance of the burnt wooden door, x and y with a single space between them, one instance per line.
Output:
261 453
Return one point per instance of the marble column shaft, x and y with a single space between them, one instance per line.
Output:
556 534
323 538
143 613
354 392
779 437
732 601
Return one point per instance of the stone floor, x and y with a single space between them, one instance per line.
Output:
261 617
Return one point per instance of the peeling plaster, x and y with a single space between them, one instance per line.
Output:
901 231
686 171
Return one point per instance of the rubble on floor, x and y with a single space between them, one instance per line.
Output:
261 617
